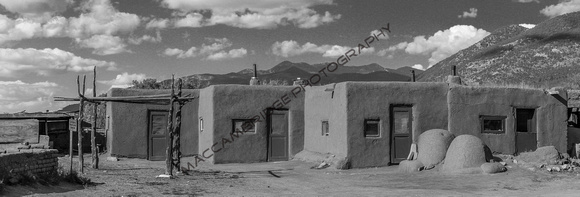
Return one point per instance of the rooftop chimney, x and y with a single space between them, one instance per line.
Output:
254 80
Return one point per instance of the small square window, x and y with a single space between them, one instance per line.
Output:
244 125
493 124
325 128
372 128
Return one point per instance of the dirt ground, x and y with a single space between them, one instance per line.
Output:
137 177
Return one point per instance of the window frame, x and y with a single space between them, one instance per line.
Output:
325 132
200 124
234 121
366 124
483 118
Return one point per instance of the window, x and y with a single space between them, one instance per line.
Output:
200 124
325 128
372 128
492 124
244 125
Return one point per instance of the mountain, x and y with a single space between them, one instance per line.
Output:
546 55
289 71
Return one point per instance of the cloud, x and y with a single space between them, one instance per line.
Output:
17 62
391 49
234 53
258 14
38 10
214 51
157 24
124 79
104 44
181 54
289 48
564 7
529 26
16 96
146 38
418 66
98 20
444 43
526 1
471 14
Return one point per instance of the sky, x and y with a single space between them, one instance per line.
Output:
46 44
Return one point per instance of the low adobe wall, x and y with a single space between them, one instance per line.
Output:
36 161
373 100
220 104
127 130
467 104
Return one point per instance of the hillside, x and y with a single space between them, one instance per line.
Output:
289 71
545 56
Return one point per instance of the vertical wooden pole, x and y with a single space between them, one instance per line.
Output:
70 148
177 130
413 74
169 151
79 127
94 150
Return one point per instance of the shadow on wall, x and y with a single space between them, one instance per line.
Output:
61 141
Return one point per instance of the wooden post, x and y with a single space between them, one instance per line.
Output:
169 151
80 129
94 149
177 130
413 74
70 149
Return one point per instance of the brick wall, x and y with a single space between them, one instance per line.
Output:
36 161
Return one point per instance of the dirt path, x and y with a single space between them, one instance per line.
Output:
137 177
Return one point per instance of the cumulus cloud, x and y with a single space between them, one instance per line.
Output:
471 14
17 95
146 38
564 7
526 1
157 24
259 14
98 20
234 53
124 79
17 62
418 66
181 54
104 44
529 26
38 10
214 51
444 43
289 48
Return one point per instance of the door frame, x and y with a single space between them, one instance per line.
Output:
392 134
533 129
268 131
149 146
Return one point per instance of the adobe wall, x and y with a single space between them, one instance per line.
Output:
206 136
321 105
373 100
128 123
467 104
222 103
36 161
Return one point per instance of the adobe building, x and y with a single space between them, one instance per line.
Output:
256 123
139 129
374 123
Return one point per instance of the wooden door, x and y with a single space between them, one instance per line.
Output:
526 135
401 135
278 135
157 135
